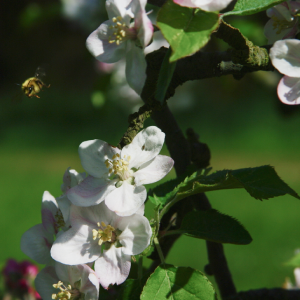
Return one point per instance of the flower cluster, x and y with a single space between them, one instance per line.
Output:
89 233
285 57
18 280
284 22
120 37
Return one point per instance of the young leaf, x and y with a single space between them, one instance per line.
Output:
178 283
260 182
249 7
164 78
187 30
213 226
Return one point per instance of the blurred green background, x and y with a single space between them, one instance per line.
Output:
242 122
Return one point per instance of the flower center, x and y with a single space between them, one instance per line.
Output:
59 220
105 233
121 31
281 24
119 166
65 293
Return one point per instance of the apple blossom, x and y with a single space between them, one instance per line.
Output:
284 22
118 175
37 241
118 37
71 178
67 282
207 5
101 236
285 57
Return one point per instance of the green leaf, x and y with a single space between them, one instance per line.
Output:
260 182
178 283
249 7
164 78
294 261
187 30
214 226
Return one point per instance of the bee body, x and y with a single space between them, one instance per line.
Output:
32 86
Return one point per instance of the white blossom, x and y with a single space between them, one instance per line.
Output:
285 56
99 235
118 176
119 37
67 282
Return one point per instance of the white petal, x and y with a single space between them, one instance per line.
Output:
76 246
208 5
154 170
90 191
49 210
285 56
100 47
93 155
91 215
36 243
297 277
44 282
136 234
136 68
144 147
71 178
89 282
112 267
288 90
144 26
126 199
64 206
120 8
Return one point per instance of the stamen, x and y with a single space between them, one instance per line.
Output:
66 292
105 233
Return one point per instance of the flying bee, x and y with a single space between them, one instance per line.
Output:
33 85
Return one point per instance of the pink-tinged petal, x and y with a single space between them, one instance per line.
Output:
91 215
285 56
186 3
100 47
93 155
44 282
36 243
136 234
136 68
64 205
76 246
126 199
288 90
112 267
207 5
116 8
144 26
272 34
71 178
90 191
49 210
154 170
144 147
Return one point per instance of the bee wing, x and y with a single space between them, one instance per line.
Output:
40 72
